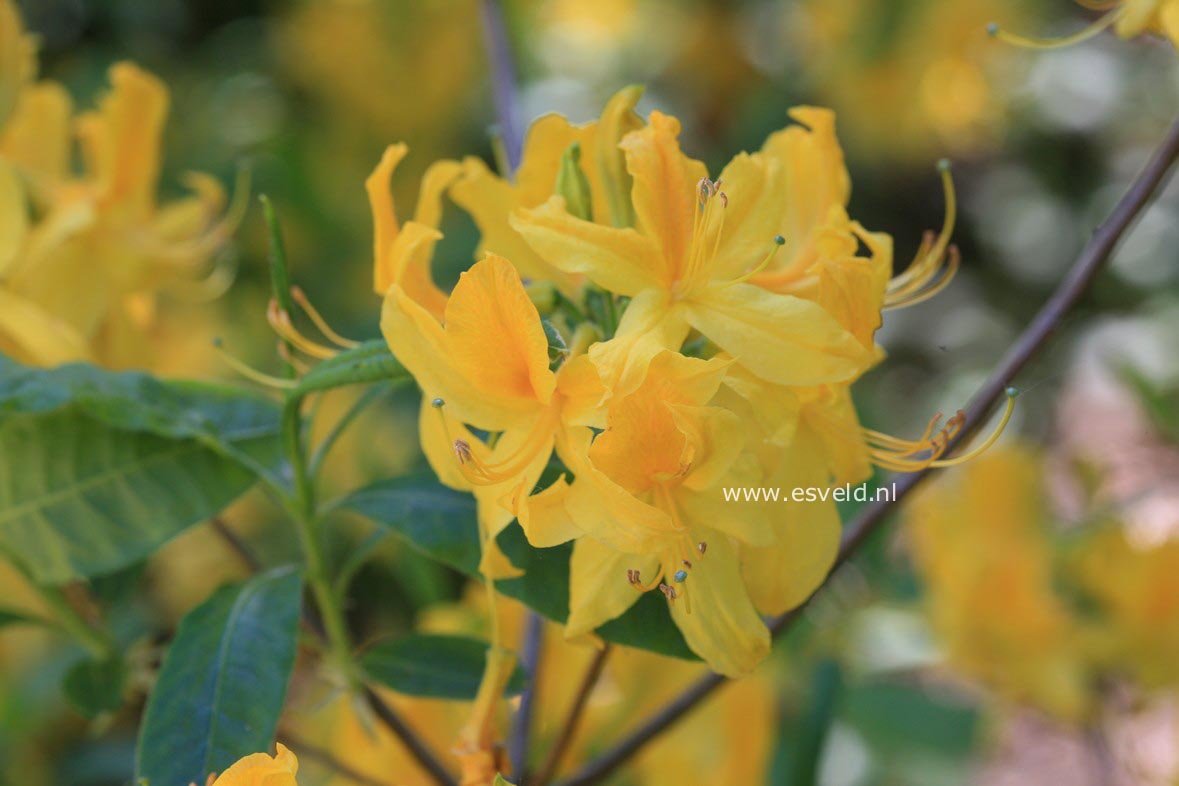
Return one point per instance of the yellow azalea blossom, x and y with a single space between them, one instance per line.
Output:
487 364
688 264
980 545
402 253
647 496
490 199
260 769
1136 587
1128 18
82 281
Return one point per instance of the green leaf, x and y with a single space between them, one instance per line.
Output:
370 362
434 666
223 682
98 468
16 617
440 522
96 686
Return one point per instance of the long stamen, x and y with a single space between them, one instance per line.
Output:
250 373
484 473
636 581
300 297
779 241
936 261
898 454
1081 35
280 321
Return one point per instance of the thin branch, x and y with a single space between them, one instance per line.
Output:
521 735
416 747
573 719
236 544
503 81
305 749
1045 324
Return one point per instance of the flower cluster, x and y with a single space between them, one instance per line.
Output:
663 333
84 254
1071 618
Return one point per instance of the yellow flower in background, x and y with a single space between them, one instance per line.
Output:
980 545
688 267
260 769
910 79
491 200
486 366
18 59
85 256
1136 588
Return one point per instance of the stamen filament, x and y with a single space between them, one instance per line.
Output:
280 322
1080 36
317 319
250 373
779 241
935 263
482 473
1012 393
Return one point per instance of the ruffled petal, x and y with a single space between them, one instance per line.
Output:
598 589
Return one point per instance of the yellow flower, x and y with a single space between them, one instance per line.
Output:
688 267
1137 590
402 253
487 366
259 769
647 496
82 280
18 58
491 200
980 545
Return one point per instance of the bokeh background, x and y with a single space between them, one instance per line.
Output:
307 95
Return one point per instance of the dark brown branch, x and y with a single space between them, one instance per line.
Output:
1042 327
573 719
416 746
236 544
521 736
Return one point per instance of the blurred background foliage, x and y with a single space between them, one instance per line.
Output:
307 94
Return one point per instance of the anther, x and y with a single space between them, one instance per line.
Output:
702 547
686 564
462 449
668 591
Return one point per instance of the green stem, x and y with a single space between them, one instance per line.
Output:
97 642
305 516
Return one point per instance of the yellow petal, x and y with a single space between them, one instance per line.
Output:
385 225
259 769
814 172
437 437
581 391
18 58
31 335
715 434
494 334
782 575
650 325
417 340
1169 20
38 136
121 141
723 626
609 179
665 191
780 338
14 217
438 178
753 185
548 138
407 263
619 260
490 200
598 589
545 518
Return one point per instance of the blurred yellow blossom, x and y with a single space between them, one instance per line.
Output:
981 545
86 255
